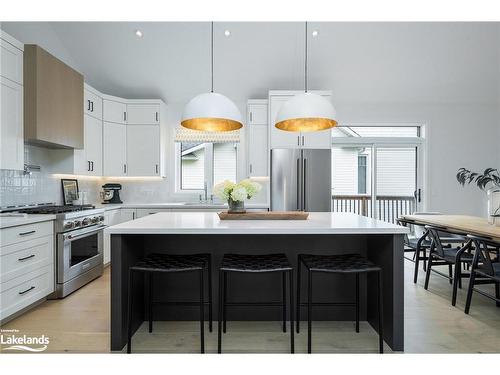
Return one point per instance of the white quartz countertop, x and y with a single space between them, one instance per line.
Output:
176 205
13 221
209 223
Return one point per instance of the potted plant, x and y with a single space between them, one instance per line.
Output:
489 180
235 194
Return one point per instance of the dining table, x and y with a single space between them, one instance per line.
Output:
459 224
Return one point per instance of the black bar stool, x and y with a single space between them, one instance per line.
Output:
344 264
255 264
170 263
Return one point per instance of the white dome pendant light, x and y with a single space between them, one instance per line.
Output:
306 112
211 112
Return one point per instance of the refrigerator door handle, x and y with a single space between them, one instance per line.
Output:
298 184
304 183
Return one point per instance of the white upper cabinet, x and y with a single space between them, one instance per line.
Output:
284 139
11 126
143 150
280 138
11 106
115 149
143 114
92 104
257 134
114 111
11 56
88 161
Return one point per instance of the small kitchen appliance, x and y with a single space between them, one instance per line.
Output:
111 193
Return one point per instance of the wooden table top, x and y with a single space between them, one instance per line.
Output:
460 223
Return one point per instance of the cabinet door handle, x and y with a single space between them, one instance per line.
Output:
156 116
26 258
124 116
251 117
88 105
26 233
92 107
124 168
27 290
250 168
302 140
298 140
92 164
156 168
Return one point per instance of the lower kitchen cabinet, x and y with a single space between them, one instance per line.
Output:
26 265
111 217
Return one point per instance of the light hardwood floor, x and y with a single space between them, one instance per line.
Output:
80 323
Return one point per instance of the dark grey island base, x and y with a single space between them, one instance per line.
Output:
383 249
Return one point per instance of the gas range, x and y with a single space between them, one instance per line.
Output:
67 217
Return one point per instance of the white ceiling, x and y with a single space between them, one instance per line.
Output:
360 62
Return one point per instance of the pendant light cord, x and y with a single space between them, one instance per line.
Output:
212 56
305 61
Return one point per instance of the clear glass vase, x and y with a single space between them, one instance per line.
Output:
494 206
236 207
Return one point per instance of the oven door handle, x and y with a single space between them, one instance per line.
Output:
70 237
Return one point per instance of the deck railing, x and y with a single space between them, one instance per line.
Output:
387 207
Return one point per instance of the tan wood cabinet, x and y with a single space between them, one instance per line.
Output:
53 101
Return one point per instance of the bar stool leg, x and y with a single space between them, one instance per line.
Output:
224 307
292 338
309 311
129 315
381 312
210 293
298 293
219 315
450 273
456 278
283 307
150 300
202 313
357 302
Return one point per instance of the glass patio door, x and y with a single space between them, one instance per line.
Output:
395 182
376 180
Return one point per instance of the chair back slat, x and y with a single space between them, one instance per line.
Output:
482 257
436 244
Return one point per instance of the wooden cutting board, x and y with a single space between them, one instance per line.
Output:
274 215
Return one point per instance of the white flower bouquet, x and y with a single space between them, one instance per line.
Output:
236 193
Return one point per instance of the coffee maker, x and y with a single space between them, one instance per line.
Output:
111 193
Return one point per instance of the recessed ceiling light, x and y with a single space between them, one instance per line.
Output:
315 33
138 33
227 33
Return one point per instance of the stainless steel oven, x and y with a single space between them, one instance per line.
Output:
79 258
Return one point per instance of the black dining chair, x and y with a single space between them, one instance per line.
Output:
440 255
485 269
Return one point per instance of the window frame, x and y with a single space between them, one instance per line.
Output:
208 170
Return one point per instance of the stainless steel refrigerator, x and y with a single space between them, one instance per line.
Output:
301 180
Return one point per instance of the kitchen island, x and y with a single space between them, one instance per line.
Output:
322 233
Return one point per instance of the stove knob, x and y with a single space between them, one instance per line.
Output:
86 221
68 225
101 218
95 219
77 223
